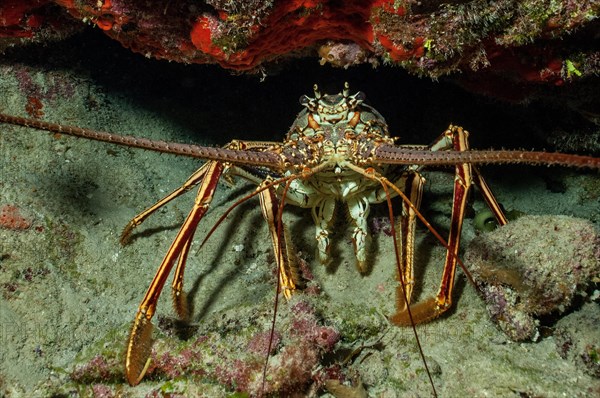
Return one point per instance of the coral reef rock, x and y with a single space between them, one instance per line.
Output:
577 338
223 356
532 267
533 41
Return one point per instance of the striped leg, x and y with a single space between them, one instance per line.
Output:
192 181
140 339
289 278
405 229
454 138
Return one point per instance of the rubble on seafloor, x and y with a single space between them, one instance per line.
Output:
577 337
531 267
227 356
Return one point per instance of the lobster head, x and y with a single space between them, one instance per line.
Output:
332 108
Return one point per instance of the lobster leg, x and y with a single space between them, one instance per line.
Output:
180 303
455 138
405 230
192 181
449 139
322 213
139 344
488 196
285 257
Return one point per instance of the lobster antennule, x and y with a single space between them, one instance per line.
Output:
266 159
390 154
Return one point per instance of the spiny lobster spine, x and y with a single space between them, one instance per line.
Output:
196 151
388 154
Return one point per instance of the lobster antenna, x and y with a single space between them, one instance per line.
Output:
239 202
256 158
403 284
279 229
390 154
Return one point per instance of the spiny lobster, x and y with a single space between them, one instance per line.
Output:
338 151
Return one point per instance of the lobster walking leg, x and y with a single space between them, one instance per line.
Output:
192 181
488 196
285 257
413 184
465 175
140 339
322 214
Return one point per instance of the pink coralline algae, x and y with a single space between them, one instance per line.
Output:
102 391
12 218
305 327
576 338
229 354
260 343
531 267
97 369
297 349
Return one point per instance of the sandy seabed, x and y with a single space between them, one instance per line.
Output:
67 283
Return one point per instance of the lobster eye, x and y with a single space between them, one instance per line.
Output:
356 99
308 102
304 100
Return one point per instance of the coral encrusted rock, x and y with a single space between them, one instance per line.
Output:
533 266
532 41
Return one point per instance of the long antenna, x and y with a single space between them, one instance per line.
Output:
266 159
389 154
